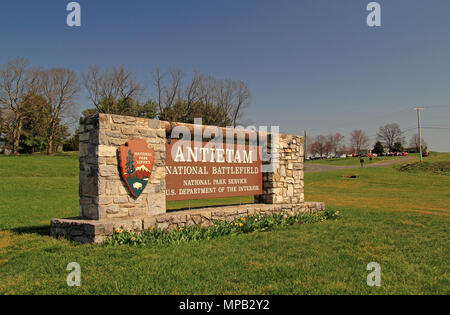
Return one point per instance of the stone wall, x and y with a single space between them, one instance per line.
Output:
97 231
102 192
285 183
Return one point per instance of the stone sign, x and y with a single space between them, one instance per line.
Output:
130 167
212 170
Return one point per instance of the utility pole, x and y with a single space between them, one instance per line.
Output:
418 109
304 144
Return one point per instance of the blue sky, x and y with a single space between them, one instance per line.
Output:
310 64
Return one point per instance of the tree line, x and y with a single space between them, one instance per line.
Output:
390 138
38 105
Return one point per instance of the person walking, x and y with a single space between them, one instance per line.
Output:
362 162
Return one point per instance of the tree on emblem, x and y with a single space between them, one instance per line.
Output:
130 163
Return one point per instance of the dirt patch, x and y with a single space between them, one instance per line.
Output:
5 239
256 265
406 222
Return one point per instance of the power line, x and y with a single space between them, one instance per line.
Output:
436 128
437 106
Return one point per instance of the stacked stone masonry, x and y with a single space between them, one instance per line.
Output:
102 193
285 184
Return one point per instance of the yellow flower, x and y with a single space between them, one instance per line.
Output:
243 219
133 239
117 230
128 230
240 224
152 228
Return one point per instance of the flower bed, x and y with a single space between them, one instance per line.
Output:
255 223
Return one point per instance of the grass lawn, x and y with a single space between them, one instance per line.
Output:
399 219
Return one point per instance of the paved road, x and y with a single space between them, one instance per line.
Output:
311 168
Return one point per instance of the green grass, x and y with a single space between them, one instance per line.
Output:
36 188
398 219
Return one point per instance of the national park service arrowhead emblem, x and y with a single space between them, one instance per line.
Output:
136 165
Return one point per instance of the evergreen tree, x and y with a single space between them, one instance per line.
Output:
378 148
130 163
398 147
72 143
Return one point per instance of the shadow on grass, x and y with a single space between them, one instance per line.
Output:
41 230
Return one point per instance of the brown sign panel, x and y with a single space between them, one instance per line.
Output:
201 170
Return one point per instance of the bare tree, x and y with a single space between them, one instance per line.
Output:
242 101
60 88
415 143
390 134
172 88
358 140
344 149
172 91
3 130
335 141
320 146
225 94
169 90
16 82
106 88
192 90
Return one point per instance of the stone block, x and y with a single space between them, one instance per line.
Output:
108 170
107 151
148 222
